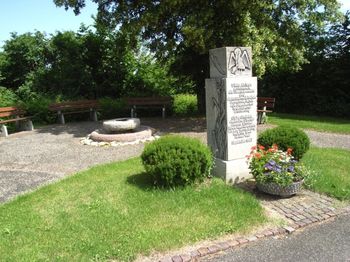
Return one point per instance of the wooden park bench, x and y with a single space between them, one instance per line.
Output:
265 104
75 107
17 115
148 102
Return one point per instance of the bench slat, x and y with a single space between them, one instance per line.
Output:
270 105
11 111
8 109
267 99
71 105
15 119
137 101
75 112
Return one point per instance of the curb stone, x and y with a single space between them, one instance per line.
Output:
217 247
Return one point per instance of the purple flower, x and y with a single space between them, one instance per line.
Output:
277 169
290 169
272 162
268 166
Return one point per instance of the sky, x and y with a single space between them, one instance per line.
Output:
23 16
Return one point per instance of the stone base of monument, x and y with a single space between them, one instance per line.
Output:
232 171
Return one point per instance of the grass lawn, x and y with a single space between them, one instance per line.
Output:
112 211
326 124
332 171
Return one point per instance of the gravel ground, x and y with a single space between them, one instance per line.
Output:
30 159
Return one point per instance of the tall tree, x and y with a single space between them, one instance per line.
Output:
22 55
187 29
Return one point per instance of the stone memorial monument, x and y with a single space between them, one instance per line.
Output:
231 105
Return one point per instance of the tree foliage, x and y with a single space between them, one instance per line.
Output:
322 86
187 29
89 63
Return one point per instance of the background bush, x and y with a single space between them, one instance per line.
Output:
112 108
185 105
7 97
177 161
284 137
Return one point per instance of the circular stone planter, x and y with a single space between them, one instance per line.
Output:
121 125
140 133
278 190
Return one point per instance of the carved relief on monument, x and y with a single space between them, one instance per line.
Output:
239 61
230 62
219 132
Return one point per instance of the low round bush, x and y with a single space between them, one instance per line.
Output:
286 137
177 161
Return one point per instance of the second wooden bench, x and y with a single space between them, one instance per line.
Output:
74 107
265 104
146 102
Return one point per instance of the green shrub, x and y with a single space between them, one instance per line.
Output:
177 161
111 108
286 137
185 105
7 97
36 104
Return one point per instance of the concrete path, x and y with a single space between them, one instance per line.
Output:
327 242
45 155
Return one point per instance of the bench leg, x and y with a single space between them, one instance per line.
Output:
3 130
163 112
259 118
61 118
133 112
27 125
93 115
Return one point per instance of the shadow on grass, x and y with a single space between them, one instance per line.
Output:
143 181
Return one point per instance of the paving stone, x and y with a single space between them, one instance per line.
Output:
224 245
195 254
289 229
185 258
275 232
260 235
281 231
252 238
242 241
233 243
176 259
203 251
268 233
166 259
213 249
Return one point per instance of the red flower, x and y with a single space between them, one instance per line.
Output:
257 155
289 151
261 147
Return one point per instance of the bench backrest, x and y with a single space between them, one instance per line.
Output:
144 101
268 102
81 104
11 111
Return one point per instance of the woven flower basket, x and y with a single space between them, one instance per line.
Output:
275 189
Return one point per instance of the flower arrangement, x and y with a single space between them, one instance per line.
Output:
275 166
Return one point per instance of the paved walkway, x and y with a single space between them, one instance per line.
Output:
45 155
328 242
